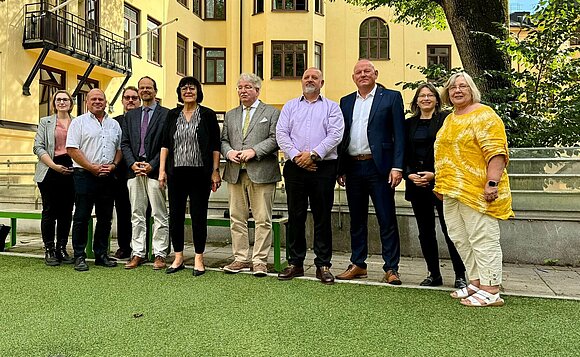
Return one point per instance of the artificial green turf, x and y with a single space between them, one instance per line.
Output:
55 311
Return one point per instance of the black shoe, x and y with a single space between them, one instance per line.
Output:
81 264
198 272
63 256
172 270
432 281
460 283
324 275
50 257
122 254
105 261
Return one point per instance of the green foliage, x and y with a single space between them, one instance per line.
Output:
540 105
426 14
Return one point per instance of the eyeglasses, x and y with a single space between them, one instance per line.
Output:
461 87
64 100
247 87
427 96
130 97
188 88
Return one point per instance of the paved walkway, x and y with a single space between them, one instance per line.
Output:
519 279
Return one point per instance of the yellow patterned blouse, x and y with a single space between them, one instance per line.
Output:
463 148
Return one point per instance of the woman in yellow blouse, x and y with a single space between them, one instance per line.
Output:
471 155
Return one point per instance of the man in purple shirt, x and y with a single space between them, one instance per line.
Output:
309 130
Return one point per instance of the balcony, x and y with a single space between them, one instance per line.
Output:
71 35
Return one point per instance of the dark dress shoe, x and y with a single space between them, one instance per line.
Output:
198 272
122 254
324 275
106 262
62 255
81 264
291 272
460 283
172 270
50 258
432 281
352 272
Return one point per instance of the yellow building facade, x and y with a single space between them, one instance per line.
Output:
84 45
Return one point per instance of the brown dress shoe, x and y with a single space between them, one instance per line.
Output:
291 272
134 262
324 274
352 272
392 277
159 263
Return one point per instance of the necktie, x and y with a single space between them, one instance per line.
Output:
144 124
246 121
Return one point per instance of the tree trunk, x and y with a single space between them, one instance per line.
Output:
479 52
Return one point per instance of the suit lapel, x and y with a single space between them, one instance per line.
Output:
239 120
376 102
348 110
256 117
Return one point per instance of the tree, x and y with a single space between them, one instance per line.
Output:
469 22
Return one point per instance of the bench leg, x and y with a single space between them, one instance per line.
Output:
13 233
278 264
89 247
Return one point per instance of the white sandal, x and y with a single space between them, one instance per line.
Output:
483 298
464 292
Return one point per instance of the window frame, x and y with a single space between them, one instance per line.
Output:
199 8
320 5
196 68
183 3
150 36
46 85
296 74
206 16
318 55
215 60
378 39
283 2
184 53
255 10
448 47
138 29
260 72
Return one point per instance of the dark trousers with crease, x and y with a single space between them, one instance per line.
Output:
92 191
363 181
123 210
317 188
423 203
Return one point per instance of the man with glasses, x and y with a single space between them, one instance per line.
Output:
141 145
249 145
130 100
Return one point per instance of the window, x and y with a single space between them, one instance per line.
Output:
439 54
374 39
51 80
318 55
196 6
288 59
182 2
82 94
290 5
181 55
318 6
131 23
153 42
196 62
92 13
258 6
215 65
259 59
215 9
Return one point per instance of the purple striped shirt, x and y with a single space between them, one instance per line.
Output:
306 126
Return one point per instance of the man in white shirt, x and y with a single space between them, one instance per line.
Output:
94 143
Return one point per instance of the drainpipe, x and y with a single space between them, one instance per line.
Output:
241 19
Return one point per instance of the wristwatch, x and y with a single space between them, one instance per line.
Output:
314 156
491 183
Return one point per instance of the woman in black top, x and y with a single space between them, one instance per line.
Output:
189 163
421 130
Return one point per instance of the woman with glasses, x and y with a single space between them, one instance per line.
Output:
189 164
54 178
471 156
420 131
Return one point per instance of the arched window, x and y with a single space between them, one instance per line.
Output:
374 39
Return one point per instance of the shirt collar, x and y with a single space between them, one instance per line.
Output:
93 116
371 94
253 106
152 107
302 97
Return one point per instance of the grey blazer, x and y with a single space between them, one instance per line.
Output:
261 137
44 144
153 138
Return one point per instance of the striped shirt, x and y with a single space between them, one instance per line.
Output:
187 151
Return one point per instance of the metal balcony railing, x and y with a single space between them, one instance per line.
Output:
66 33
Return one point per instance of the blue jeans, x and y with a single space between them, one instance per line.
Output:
98 192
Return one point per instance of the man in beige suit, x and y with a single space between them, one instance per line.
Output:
249 145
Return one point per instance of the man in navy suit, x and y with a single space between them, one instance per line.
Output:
370 164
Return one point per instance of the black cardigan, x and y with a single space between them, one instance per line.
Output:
411 190
208 136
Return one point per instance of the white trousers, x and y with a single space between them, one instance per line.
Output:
476 237
142 192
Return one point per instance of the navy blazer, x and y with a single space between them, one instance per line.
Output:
131 140
385 131
208 137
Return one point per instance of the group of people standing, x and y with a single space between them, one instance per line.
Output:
454 163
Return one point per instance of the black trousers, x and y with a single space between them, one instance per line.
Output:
58 195
195 184
317 188
123 210
98 192
423 204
